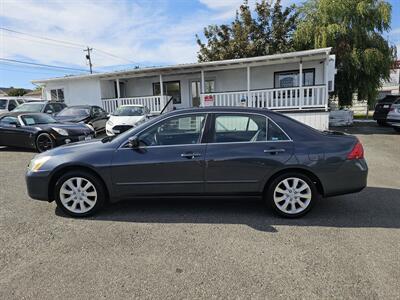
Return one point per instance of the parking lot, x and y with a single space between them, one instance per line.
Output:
347 247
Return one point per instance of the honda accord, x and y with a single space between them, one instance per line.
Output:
210 152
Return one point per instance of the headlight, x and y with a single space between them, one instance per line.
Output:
109 123
60 131
37 163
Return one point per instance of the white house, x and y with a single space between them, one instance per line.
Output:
295 83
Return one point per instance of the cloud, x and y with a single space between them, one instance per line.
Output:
137 31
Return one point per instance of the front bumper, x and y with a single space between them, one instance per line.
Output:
62 140
37 184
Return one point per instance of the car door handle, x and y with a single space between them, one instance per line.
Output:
190 155
274 151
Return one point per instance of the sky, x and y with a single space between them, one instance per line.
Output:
122 33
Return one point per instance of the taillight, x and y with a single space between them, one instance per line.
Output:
357 152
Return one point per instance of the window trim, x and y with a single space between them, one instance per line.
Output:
123 145
292 71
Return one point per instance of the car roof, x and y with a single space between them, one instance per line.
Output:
20 113
81 106
216 109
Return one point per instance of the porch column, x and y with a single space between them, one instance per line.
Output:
161 87
326 82
248 86
202 85
118 88
301 84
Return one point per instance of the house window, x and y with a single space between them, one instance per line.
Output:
171 88
57 94
289 79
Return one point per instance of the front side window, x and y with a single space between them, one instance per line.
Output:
230 128
3 103
180 130
9 121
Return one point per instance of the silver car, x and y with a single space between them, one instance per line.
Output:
393 117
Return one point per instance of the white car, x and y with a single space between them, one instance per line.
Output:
126 117
393 117
8 104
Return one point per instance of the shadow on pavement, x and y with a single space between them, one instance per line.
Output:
16 149
373 207
365 128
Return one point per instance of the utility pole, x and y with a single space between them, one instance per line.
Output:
88 58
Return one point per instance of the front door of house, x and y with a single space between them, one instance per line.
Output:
195 90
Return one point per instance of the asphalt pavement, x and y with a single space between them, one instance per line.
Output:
347 247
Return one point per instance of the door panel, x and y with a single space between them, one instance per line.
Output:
159 170
242 167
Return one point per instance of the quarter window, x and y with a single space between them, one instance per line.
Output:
239 128
175 131
275 133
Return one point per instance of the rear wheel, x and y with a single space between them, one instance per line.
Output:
381 123
44 142
291 195
79 194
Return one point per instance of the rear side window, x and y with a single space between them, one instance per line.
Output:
12 104
275 133
234 128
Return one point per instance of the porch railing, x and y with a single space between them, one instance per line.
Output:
277 99
154 103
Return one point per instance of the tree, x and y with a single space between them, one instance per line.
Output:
353 28
16 92
269 31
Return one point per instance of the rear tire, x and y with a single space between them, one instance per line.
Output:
44 142
291 195
79 193
381 123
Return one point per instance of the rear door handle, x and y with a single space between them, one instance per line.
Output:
190 155
274 151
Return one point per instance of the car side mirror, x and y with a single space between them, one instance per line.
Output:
49 111
133 142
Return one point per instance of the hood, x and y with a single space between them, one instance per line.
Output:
83 147
74 119
126 120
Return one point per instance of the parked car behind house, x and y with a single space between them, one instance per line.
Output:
8 104
209 152
92 115
382 108
126 117
48 107
393 117
39 131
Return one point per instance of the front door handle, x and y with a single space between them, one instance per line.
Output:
274 151
190 155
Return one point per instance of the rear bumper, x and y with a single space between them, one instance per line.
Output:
351 177
37 184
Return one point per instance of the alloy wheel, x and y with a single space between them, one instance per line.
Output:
78 195
44 143
292 195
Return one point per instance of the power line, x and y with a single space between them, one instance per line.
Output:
75 45
42 65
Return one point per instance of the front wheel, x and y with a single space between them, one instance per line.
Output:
79 194
44 142
291 195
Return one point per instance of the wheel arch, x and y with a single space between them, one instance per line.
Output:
314 178
62 170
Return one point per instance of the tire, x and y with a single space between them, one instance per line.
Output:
44 142
79 200
288 204
381 123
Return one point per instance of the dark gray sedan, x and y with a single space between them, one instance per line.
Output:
203 152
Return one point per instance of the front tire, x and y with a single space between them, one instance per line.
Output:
79 194
44 142
291 195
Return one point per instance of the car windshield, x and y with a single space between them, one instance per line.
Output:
3 103
30 107
125 111
74 111
37 119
